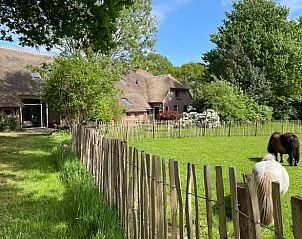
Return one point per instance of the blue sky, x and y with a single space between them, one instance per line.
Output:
185 26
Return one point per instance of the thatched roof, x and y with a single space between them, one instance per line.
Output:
15 79
147 88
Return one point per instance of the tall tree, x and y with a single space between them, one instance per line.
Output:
90 24
136 32
256 47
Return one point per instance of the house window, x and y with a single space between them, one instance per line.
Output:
167 108
176 108
128 114
177 94
126 102
136 114
185 108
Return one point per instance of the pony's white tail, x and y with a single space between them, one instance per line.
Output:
264 183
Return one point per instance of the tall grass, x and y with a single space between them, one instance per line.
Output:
87 214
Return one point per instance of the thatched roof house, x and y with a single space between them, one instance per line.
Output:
145 95
20 88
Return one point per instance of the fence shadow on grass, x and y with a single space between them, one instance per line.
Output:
255 159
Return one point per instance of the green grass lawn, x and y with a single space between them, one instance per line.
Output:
31 191
36 199
240 151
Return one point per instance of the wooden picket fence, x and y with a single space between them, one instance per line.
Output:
147 194
137 130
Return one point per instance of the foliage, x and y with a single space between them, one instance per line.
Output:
155 63
192 74
9 122
195 75
232 104
258 49
81 88
169 115
208 118
88 23
136 31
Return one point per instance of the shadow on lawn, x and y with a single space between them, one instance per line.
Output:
27 153
255 159
27 212
24 215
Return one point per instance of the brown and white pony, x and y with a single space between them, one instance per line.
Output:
265 172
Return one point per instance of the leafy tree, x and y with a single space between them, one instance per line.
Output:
136 31
192 73
257 50
88 23
155 63
195 75
82 88
231 103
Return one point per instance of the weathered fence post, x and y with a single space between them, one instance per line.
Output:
221 207
179 196
278 223
229 134
173 199
296 203
234 201
165 197
197 226
256 129
253 207
243 208
159 198
208 196
189 224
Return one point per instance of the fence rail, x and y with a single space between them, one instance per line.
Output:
151 201
174 129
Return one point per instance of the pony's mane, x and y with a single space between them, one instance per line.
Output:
269 157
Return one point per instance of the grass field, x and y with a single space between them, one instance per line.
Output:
239 151
43 195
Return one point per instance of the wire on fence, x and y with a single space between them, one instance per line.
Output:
200 197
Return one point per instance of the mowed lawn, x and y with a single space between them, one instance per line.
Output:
30 188
239 151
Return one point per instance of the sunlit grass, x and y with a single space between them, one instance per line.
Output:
36 200
240 151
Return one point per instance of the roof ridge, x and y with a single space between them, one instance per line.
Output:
27 51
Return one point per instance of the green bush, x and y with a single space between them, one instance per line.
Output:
8 122
232 104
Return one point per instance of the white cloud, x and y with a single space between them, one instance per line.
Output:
165 7
294 5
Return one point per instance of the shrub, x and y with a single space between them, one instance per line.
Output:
208 118
169 115
8 122
232 104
